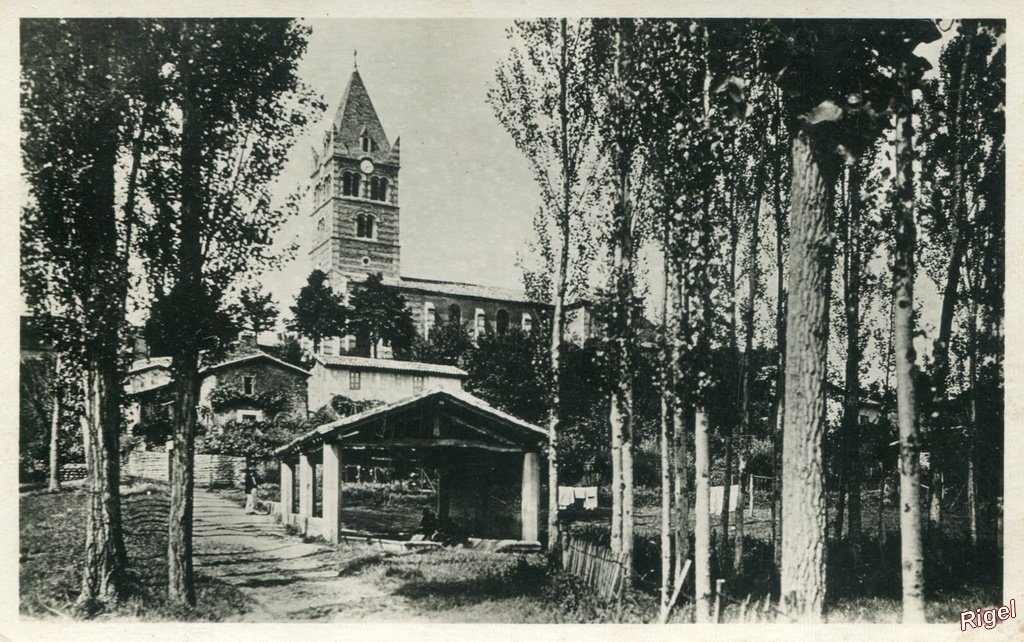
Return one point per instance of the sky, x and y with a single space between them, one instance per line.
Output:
467 198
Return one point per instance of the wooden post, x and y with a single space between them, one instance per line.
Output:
332 490
287 489
443 492
305 486
530 507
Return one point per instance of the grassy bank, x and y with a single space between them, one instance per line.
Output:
52 542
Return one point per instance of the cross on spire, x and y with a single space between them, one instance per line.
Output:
355 58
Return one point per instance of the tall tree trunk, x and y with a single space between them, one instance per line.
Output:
851 418
729 427
747 370
103 574
181 581
681 422
780 343
54 486
668 402
958 248
972 435
702 527
911 552
621 415
803 527
561 284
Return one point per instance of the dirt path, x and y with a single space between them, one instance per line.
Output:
286 578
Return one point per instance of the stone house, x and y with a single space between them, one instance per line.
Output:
385 380
247 384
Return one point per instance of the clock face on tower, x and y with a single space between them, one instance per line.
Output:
366 166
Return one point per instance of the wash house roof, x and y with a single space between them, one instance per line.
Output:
431 419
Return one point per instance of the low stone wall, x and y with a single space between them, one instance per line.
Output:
71 472
209 470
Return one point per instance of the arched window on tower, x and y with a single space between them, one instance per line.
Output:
454 314
365 143
502 322
364 226
350 184
320 226
379 188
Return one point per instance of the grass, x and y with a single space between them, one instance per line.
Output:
52 542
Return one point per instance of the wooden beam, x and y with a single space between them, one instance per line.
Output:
434 443
482 430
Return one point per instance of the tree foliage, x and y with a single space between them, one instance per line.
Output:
379 313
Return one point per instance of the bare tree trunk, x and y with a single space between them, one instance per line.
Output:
54 486
105 561
972 435
911 551
725 554
804 527
561 282
621 415
851 419
668 403
780 342
181 581
702 527
104 570
746 366
680 423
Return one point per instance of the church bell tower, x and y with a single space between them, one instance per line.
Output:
354 196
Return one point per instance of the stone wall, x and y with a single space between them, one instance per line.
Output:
210 470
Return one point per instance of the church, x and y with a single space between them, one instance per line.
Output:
354 218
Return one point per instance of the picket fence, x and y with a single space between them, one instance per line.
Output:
595 564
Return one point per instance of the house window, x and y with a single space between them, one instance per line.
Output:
350 184
527 322
379 188
417 383
355 380
364 226
247 385
502 321
249 417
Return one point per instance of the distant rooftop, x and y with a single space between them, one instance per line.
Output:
392 365
470 290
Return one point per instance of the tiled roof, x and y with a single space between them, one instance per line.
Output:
393 365
468 290
465 398
140 365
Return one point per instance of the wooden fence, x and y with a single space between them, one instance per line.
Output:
596 565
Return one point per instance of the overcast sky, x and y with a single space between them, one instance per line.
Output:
466 195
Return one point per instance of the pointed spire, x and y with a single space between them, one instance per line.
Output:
356 117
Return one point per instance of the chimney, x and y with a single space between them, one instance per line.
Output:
247 340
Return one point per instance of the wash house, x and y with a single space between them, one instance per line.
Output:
483 465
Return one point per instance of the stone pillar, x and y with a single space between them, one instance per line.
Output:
530 509
332 491
305 486
287 488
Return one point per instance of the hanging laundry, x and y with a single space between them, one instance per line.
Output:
566 496
590 498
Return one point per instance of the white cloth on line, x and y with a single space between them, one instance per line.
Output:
590 500
566 496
